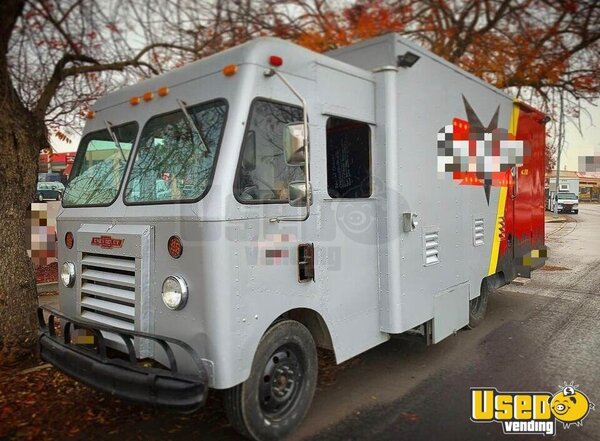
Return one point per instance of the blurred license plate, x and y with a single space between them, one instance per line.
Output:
83 337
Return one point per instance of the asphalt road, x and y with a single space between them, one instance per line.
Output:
535 337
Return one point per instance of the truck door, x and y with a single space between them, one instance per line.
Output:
527 193
269 260
349 219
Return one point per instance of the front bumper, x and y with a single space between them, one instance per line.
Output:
125 379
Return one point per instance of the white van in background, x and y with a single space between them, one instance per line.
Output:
567 202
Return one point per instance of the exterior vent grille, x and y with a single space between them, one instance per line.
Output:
431 247
478 232
108 290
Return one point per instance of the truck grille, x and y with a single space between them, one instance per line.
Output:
108 290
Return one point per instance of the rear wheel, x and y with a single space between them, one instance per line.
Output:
277 395
478 306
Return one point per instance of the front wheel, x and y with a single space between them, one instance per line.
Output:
275 398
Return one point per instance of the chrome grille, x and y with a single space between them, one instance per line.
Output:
108 290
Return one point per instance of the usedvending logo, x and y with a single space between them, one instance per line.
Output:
530 412
107 242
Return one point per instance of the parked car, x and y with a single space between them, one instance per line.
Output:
567 202
49 191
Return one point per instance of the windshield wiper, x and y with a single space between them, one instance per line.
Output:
192 124
114 138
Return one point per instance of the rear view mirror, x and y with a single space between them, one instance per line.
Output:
293 144
298 193
249 157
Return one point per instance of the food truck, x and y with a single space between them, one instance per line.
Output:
224 220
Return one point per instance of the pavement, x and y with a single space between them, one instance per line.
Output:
550 217
535 337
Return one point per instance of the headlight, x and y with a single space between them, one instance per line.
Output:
67 274
174 292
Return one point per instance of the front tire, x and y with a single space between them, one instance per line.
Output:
275 398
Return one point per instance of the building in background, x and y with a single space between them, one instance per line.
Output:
55 166
589 186
585 184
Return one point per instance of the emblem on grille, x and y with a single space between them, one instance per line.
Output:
107 242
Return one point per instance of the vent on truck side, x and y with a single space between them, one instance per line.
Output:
478 231
431 246
108 290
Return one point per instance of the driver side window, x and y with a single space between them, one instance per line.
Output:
263 175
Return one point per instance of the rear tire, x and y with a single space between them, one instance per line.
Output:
478 306
275 398
59 196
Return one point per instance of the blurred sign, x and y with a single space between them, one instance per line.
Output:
41 237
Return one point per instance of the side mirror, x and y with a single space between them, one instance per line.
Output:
293 144
298 194
249 158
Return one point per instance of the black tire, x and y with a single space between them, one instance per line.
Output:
275 398
478 306
575 211
59 196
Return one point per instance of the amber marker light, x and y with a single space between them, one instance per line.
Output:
163 91
148 96
90 115
134 100
230 70
175 247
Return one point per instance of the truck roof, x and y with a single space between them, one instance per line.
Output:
255 52
392 45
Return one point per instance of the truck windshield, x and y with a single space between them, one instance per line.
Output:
567 196
99 167
172 163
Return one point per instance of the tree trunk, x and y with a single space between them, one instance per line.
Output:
22 134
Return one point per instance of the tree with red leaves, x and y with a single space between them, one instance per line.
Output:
55 57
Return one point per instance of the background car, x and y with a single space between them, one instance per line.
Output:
567 202
49 191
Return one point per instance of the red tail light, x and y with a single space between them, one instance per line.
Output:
175 247
69 241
